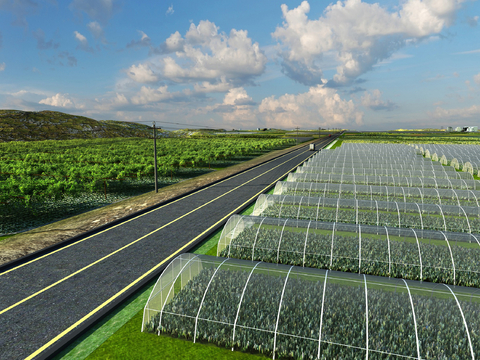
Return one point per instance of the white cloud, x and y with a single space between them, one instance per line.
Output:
476 79
208 87
58 100
204 54
142 73
471 112
237 108
170 10
2 66
468 52
148 95
320 106
361 35
373 100
82 42
118 101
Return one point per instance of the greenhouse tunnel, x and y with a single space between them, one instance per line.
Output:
461 184
384 172
368 212
434 256
293 312
380 193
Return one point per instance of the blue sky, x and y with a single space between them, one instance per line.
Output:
245 64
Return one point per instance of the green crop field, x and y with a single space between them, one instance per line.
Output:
43 181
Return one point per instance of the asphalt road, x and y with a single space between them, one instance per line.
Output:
46 300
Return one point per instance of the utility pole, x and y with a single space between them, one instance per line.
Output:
155 157
297 134
319 133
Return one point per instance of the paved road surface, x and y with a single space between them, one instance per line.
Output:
46 300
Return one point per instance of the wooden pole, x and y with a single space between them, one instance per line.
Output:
155 157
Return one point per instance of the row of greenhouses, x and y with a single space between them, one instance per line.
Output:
461 184
463 157
380 193
439 174
368 212
436 256
294 312
367 251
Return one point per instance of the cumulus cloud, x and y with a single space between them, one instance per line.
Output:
144 41
205 54
82 42
170 10
39 35
476 79
148 95
320 106
142 73
237 106
209 87
58 100
373 100
2 66
471 112
99 10
360 34
115 102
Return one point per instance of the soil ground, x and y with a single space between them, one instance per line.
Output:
28 242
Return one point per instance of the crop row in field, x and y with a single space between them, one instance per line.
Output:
46 169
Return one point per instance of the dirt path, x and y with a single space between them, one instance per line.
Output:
39 238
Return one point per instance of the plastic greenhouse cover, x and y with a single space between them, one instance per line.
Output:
368 212
460 184
436 256
289 311
376 192
466 155
384 172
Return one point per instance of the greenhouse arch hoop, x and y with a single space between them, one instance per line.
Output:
376 317
437 256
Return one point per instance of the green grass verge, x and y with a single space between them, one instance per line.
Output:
130 343
5 237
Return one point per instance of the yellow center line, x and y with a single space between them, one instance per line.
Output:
105 303
134 242
137 217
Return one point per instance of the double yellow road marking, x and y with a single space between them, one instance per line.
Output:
143 276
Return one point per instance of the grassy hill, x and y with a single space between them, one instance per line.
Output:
18 125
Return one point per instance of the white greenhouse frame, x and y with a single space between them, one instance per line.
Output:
453 256
417 311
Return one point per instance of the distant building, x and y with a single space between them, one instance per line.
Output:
466 128
449 128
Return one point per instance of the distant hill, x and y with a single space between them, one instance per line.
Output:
18 125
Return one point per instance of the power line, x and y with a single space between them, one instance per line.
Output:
176 123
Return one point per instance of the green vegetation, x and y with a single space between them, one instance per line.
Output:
18 125
43 181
